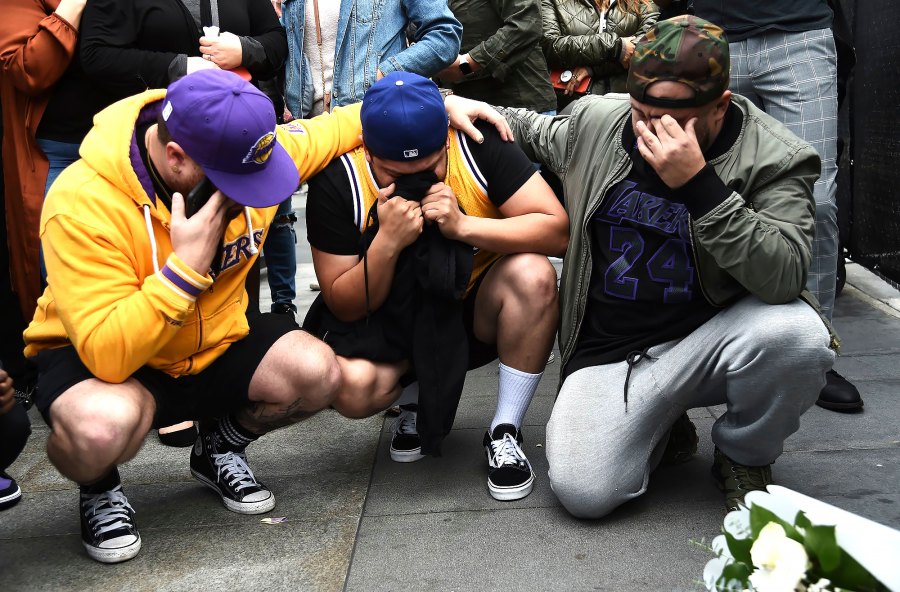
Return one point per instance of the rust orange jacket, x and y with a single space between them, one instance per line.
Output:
36 47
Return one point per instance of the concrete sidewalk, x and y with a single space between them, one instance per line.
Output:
357 521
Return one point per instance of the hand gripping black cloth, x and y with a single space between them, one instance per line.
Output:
421 320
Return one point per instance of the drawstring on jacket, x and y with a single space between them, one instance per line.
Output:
152 236
633 359
253 249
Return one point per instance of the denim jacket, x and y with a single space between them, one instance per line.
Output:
371 36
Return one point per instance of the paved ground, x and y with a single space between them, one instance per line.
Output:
357 521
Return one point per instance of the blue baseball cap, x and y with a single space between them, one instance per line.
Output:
403 117
228 126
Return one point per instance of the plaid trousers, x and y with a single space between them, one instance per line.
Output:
793 78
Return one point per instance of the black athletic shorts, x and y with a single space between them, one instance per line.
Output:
219 389
480 353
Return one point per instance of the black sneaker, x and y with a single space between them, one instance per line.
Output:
406 446
509 473
108 531
227 474
10 493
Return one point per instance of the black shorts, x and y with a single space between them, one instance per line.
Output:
216 391
480 353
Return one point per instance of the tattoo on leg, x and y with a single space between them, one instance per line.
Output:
260 418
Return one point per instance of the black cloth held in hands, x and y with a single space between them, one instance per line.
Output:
421 320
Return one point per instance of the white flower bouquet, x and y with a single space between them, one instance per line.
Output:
784 541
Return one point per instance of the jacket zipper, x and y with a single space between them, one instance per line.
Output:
199 325
697 265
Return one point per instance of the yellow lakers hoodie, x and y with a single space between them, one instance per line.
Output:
117 292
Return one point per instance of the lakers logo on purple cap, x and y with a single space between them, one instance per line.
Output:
228 127
261 149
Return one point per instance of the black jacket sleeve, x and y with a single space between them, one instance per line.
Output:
110 50
265 49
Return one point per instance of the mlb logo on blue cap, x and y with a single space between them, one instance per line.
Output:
403 118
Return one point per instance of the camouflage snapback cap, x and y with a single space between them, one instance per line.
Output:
683 49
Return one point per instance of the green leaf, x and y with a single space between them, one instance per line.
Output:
740 548
802 521
735 576
760 516
850 575
822 546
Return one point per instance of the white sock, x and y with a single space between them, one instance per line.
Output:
515 393
410 395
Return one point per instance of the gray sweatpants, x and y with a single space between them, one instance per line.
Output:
766 362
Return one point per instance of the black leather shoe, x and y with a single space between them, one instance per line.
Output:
839 394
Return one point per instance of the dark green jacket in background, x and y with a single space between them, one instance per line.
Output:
503 36
572 38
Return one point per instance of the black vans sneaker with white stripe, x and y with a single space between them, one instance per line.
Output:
509 473
226 472
406 446
108 531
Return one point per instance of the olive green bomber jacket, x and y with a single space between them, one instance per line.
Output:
757 241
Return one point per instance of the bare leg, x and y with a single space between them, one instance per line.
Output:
367 387
98 425
517 309
177 427
298 377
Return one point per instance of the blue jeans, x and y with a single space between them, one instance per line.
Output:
281 256
60 155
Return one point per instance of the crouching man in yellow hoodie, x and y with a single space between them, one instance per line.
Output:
144 322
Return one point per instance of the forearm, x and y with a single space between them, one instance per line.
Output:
35 59
584 50
649 16
116 319
127 70
436 42
346 297
313 143
121 332
109 34
767 246
529 233
264 54
267 31
543 138
770 260
512 42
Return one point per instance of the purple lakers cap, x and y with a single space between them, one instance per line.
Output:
403 117
228 127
